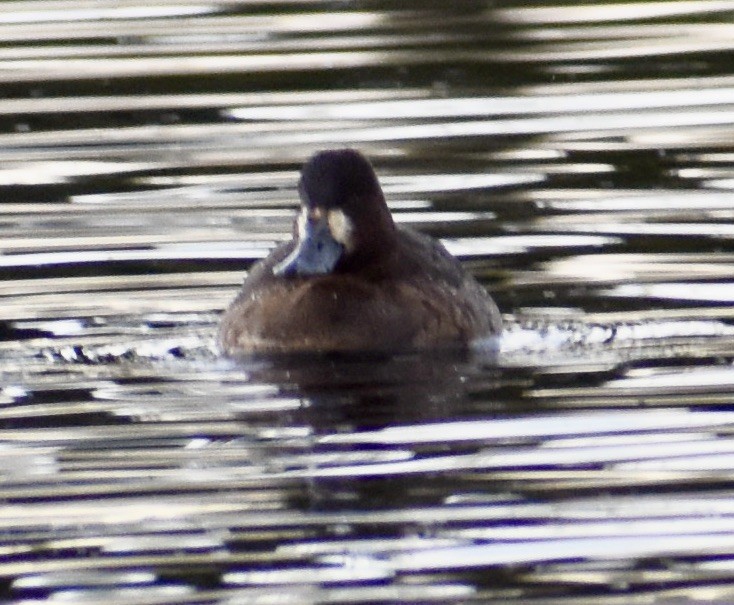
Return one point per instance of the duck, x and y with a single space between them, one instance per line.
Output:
350 280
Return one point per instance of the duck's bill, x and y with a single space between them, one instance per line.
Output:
316 251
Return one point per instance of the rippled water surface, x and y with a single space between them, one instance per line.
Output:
579 159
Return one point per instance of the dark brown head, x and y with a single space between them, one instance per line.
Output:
344 220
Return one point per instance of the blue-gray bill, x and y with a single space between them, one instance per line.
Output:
316 252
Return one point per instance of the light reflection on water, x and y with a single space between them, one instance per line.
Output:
577 159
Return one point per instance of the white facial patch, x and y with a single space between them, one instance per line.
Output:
301 223
341 228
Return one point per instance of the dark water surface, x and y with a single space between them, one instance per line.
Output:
578 159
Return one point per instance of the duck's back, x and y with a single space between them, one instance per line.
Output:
455 306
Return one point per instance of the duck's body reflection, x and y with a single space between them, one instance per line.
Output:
349 392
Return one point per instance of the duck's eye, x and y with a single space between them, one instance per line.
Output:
341 227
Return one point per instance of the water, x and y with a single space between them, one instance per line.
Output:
578 159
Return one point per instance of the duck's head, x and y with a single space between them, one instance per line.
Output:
343 219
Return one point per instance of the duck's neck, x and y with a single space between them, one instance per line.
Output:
377 239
